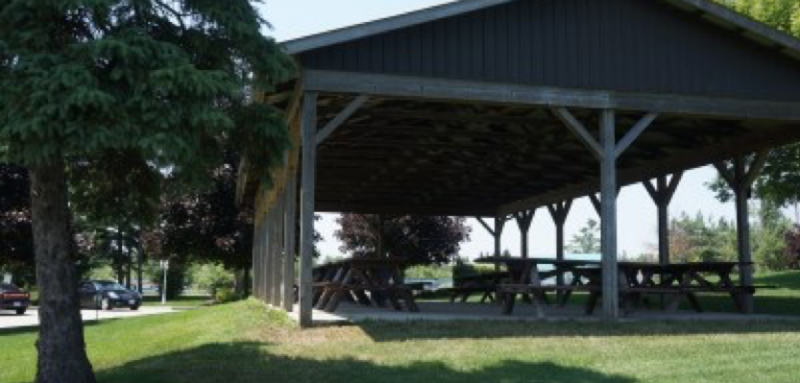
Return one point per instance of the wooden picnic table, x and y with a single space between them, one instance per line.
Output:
637 279
674 280
367 281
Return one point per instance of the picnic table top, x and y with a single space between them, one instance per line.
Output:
366 262
709 265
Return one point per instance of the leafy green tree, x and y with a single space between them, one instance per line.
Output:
701 239
780 180
105 203
167 80
781 14
587 241
769 237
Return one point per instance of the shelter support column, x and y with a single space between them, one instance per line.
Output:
662 193
607 150
524 220
308 126
741 179
255 270
280 250
497 232
267 260
559 212
608 215
273 258
289 241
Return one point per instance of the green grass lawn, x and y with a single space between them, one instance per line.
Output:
183 301
244 342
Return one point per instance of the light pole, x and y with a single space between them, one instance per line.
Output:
164 267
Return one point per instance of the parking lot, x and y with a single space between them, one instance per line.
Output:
31 318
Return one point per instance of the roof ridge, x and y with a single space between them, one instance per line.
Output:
748 27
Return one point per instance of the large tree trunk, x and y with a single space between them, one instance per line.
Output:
61 348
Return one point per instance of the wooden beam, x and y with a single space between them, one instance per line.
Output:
673 185
726 174
577 127
755 168
341 118
634 133
595 202
679 161
485 225
495 93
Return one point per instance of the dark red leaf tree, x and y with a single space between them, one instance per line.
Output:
423 240
16 233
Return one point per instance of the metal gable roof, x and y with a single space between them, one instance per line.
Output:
710 12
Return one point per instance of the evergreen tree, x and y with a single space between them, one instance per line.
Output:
169 81
588 240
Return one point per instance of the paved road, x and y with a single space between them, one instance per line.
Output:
9 320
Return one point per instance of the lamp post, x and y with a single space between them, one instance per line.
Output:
164 267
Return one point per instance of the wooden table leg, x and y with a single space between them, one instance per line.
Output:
591 303
333 303
508 303
329 290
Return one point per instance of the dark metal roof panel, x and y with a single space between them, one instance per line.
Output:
625 45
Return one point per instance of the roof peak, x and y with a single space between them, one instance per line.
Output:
710 11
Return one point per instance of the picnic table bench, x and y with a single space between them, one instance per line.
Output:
367 281
481 283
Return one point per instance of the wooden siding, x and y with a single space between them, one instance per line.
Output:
619 45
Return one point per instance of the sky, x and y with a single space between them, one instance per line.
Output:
637 218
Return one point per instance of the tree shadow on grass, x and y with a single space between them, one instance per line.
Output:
251 362
384 331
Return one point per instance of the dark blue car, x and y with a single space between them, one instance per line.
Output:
108 295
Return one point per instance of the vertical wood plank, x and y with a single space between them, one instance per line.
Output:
289 240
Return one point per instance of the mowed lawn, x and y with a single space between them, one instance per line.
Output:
244 342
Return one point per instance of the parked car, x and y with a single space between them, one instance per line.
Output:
107 295
12 298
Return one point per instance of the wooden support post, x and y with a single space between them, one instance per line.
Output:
280 254
595 200
254 260
608 218
607 151
662 194
496 232
559 212
740 180
289 240
499 224
273 259
268 259
259 267
524 220
307 192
